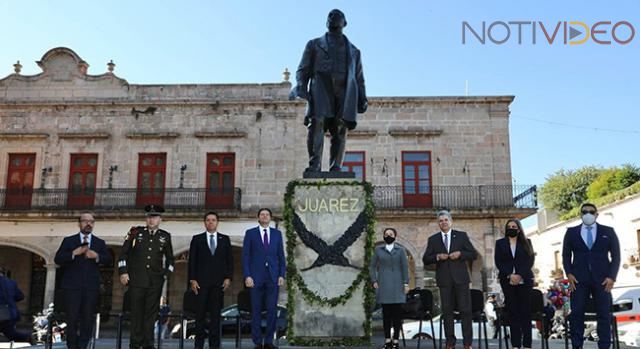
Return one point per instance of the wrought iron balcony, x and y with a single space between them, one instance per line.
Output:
183 199
456 197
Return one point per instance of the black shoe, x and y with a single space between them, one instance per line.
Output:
258 346
270 346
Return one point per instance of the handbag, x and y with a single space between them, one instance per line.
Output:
413 303
5 312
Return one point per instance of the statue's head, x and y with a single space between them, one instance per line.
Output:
336 21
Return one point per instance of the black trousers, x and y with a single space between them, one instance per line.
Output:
209 301
8 328
456 297
80 305
518 302
392 316
145 305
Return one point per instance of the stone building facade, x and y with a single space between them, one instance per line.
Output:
71 141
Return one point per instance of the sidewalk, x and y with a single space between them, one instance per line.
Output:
229 343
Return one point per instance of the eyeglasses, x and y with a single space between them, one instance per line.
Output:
588 212
91 221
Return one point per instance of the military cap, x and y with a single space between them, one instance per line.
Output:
153 210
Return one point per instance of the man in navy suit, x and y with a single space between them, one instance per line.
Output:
80 256
210 271
9 295
591 259
263 267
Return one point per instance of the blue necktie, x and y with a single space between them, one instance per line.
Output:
589 237
212 244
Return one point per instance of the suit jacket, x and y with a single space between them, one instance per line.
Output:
450 272
209 269
316 59
80 272
602 261
258 263
506 262
9 288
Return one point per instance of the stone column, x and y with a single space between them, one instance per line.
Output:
50 285
419 275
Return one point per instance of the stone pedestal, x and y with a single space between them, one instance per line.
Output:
327 222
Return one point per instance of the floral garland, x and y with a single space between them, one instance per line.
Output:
295 280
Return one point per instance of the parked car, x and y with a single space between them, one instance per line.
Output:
629 334
626 304
228 322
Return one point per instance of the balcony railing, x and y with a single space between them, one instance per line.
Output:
456 197
192 199
119 199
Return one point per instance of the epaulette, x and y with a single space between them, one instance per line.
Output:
133 232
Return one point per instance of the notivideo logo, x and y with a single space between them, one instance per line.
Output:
559 33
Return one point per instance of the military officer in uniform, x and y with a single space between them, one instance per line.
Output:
141 267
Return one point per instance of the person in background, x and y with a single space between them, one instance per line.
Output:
490 312
9 295
163 322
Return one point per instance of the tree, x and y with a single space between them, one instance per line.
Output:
612 180
567 189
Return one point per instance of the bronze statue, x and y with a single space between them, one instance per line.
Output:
330 78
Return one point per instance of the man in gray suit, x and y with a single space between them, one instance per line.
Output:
450 250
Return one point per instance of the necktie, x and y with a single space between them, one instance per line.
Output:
85 239
212 244
446 242
265 239
589 237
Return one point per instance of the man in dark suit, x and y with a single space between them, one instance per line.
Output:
450 250
263 267
80 256
591 259
210 271
9 295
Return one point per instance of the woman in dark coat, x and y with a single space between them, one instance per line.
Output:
390 277
514 259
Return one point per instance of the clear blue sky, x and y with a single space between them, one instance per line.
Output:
409 48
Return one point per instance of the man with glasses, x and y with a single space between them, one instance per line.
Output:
591 259
80 256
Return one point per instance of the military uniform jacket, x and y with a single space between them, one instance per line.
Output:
143 255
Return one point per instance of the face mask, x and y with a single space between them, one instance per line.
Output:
389 239
512 232
588 219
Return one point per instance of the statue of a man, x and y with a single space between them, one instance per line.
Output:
330 78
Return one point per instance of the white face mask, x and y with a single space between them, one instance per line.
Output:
588 219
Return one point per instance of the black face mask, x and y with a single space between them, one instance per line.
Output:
389 239
512 232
